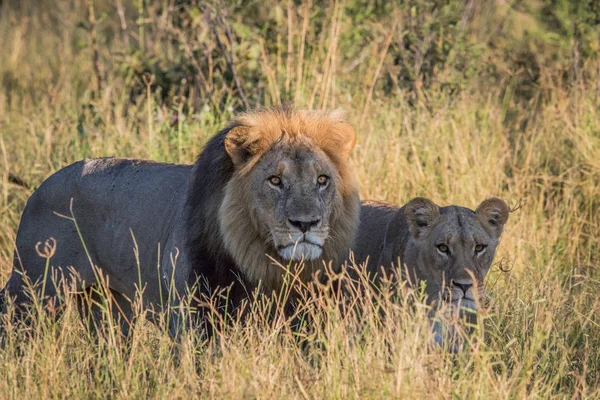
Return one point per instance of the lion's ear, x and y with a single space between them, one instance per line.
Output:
339 140
421 215
240 145
346 138
493 214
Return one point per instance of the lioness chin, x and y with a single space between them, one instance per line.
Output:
450 249
273 189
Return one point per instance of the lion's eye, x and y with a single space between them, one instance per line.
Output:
479 248
275 180
443 248
322 180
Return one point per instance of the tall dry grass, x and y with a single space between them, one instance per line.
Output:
541 336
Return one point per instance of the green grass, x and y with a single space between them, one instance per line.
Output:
528 135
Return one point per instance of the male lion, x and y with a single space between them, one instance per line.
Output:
450 249
274 188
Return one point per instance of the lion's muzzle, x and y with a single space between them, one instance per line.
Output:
462 294
298 246
301 251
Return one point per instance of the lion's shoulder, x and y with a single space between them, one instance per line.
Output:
374 213
378 204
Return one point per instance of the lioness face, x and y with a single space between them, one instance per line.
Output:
456 247
295 189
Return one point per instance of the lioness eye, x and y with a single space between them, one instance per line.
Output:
275 180
443 248
322 180
479 248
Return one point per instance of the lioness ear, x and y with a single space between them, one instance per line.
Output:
493 214
421 214
240 145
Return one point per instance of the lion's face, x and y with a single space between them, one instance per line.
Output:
292 196
294 190
455 247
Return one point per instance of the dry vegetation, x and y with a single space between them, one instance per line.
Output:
511 110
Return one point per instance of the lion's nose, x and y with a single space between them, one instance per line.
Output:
464 286
304 226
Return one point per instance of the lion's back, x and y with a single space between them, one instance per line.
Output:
110 201
115 185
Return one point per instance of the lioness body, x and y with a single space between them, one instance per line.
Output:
272 190
371 239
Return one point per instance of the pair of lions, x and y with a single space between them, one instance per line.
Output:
273 189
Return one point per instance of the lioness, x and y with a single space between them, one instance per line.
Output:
450 249
274 188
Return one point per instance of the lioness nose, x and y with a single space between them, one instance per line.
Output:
464 286
304 226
